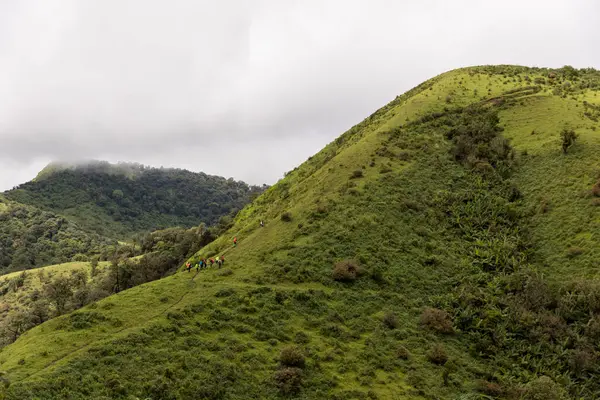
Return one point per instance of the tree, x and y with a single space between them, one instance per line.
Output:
94 265
59 291
16 323
568 138
117 194
39 312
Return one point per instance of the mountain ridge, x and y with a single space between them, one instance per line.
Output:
121 200
442 248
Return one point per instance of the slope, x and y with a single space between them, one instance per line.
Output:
419 255
126 199
30 237
26 298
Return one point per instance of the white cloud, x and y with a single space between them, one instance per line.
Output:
247 89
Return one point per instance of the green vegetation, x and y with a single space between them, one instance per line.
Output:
122 200
29 298
31 238
461 262
568 138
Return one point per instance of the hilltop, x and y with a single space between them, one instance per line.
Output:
444 247
126 199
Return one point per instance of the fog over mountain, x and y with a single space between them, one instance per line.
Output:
243 89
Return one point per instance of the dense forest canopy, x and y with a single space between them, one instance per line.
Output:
30 237
125 199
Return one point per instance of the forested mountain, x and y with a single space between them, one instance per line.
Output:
126 199
446 247
30 237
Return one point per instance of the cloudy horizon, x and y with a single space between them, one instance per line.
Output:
244 89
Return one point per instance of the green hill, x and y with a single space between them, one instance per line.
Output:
26 298
29 298
126 199
30 237
445 247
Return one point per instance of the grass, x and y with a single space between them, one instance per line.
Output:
434 239
19 290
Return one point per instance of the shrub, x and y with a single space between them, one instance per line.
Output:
574 251
436 320
544 388
489 388
288 380
345 271
581 360
356 174
292 356
390 320
402 353
438 354
301 338
568 138
286 216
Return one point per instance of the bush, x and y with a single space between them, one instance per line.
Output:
288 380
301 338
438 354
544 388
292 356
345 271
286 216
581 360
436 320
574 251
568 138
402 353
489 388
390 320
356 174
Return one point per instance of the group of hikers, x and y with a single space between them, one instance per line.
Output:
219 260
203 263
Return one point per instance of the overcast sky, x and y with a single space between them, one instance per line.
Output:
244 89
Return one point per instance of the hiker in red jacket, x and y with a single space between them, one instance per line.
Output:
188 266
235 241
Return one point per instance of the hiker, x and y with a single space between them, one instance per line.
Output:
212 261
188 265
205 263
222 260
262 223
199 266
235 241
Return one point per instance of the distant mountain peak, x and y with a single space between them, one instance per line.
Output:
129 169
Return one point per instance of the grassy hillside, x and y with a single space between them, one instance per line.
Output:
125 199
23 301
29 298
445 247
30 237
